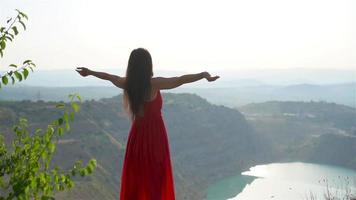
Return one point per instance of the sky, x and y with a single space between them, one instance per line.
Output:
185 35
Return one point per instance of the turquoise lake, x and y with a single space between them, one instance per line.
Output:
285 181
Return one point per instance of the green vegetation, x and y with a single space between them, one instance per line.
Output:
25 168
208 142
202 152
339 116
25 158
316 132
8 34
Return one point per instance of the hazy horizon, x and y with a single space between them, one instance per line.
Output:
229 78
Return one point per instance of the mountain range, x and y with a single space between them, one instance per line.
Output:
342 93
208 142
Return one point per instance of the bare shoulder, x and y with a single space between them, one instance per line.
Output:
155 82
160 80
164 82
157 79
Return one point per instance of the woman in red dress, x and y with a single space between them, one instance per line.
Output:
147 170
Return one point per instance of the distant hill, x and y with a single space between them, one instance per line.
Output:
229 78
34 93
339 116
241 93
343 93
208 142
317 132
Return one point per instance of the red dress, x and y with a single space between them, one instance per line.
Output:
147 171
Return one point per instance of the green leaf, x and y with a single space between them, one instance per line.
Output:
14 28
67 126
11 35
51 147
47 197
12 80
23 24
75 107
1 53
44 156
73 96
66 117
93 162
13 65
60 121
27 189
50 130
83 172
60 131
9 38
18 75
60 105
2 29
71 116
5 80
33 183
79 97
73 172
56 186
70 184
89 169
22 14
25 73
2 44
27 62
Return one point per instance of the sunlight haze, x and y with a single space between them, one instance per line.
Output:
185 35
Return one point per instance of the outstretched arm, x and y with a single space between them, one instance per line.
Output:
173 82
116 80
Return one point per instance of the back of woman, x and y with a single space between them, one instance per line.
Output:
147 169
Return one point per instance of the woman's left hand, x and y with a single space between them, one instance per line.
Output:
210 78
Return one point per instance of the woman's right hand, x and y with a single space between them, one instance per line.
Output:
83 71
210 78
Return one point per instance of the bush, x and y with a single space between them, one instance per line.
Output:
25 166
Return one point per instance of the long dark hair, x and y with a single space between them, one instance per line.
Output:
138 81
